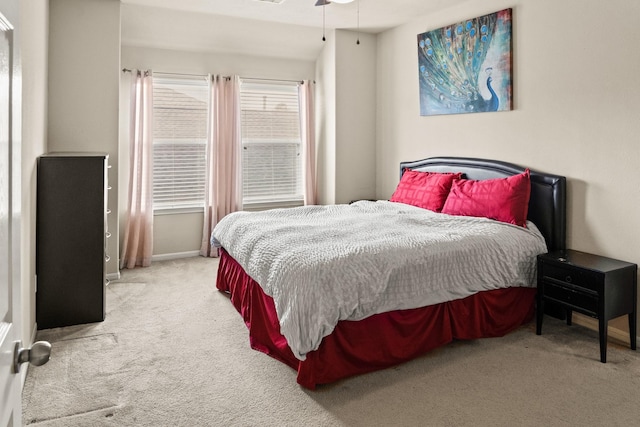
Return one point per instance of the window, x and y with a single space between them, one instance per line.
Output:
270 135
271 144
180 109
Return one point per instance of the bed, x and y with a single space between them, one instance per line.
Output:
382 334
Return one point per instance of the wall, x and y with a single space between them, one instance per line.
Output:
84 75
326 121
346 95
355 96
575 112
181 234
34 35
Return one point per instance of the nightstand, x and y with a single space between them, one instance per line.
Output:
603 288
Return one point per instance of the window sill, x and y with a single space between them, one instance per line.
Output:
177 211
263 206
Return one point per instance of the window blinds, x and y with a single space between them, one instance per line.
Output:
180 108
271 143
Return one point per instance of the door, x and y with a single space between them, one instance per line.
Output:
10 310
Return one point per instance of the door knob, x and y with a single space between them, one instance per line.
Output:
37 355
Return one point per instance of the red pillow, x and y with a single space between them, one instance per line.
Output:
502 199
426 190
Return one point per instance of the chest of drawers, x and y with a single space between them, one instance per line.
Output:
71 234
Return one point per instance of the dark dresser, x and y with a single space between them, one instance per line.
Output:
71 233
600 287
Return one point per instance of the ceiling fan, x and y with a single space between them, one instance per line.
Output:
326 2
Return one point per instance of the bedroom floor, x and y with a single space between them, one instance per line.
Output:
173 351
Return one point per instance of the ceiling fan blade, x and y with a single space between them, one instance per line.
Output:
323 2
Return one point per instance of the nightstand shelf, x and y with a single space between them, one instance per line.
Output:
600 287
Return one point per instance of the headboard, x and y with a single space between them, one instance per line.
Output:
547 204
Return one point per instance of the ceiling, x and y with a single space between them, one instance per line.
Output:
291 29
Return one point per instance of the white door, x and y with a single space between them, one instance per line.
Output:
10 310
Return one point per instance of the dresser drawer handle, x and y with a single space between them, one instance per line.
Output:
108 234
568 279
107 258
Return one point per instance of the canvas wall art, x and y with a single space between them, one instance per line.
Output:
466 67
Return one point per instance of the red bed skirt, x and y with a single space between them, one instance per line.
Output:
379 341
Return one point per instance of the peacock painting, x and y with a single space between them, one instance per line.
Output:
466 67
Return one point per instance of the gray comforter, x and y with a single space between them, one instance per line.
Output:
322 264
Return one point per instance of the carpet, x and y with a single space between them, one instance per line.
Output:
174 352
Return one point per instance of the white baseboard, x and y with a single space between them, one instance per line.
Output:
113 276
162 257
34 333
23 372
613 333
176 255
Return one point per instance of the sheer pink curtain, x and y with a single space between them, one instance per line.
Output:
223 189
307 130
138 235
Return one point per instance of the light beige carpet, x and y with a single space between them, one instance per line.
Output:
174 352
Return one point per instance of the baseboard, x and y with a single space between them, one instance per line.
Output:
23 372
615 334
176 255
113 276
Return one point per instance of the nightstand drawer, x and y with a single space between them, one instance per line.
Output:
572 276
581 300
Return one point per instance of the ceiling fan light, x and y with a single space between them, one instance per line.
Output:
323 2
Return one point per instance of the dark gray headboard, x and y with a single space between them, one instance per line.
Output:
547 204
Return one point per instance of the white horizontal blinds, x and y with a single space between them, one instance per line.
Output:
271 143
180 108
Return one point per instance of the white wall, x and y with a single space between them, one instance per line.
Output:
574 104
346 95
34 38
181 234
576 112
84 76
326 121
355 83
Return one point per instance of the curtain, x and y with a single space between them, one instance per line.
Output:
223 187
307 131
138 235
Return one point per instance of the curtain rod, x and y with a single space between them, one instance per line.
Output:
127 70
